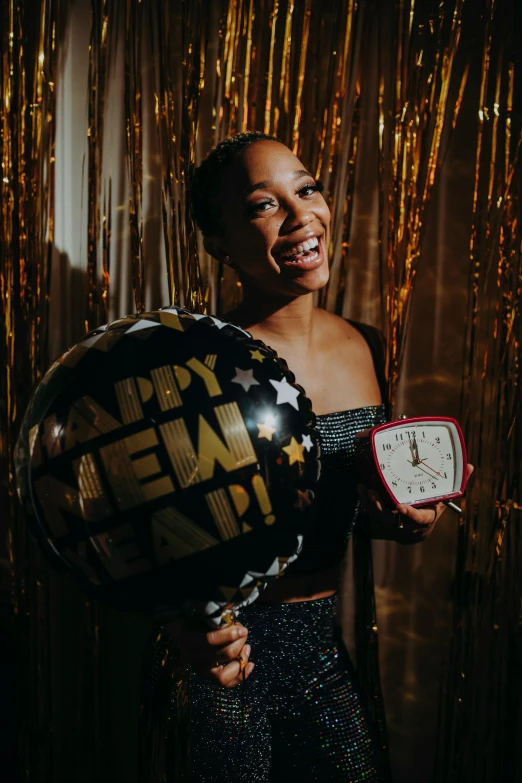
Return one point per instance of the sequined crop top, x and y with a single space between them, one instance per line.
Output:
337 501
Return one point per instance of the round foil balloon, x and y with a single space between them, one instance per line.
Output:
169 459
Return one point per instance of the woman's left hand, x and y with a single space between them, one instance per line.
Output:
406 524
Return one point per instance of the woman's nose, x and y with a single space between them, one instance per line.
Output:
299 215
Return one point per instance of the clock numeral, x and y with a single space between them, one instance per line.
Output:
445 476
421 489
386 446
434 486
409 490
448 456
423 435
437 440
399 436
394 483
382 466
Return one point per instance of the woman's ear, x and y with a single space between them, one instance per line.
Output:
214 247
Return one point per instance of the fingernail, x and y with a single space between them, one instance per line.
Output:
248 650
242 631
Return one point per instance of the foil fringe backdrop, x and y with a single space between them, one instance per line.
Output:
241 69
256 64
134 97
418 44
177 38
416 80
98 274
484 685
27 134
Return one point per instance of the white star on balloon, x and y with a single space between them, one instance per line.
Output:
307 442
285 393
245 378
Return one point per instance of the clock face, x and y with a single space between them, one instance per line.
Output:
420 460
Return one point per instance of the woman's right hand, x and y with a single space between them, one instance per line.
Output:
213 654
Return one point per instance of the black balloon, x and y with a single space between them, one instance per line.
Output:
167 458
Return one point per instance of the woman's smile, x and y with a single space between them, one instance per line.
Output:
305 255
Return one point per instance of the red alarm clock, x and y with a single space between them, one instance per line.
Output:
416 461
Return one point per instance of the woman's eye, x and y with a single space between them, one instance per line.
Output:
306 190
259 207
316 187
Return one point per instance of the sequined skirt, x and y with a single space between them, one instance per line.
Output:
299 716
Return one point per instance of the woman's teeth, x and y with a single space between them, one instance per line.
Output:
310 244
303 258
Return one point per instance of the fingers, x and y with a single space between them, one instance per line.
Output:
417 524
234 672
193 631
423 517
405 525
230 651
227 635
202 649
218 658
230 675
469 470
221 655
227 643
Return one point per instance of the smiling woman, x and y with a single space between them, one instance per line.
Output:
241 194
299 714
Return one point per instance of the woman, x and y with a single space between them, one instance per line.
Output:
298 715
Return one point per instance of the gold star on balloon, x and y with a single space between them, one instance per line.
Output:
257 355
295 451
265 431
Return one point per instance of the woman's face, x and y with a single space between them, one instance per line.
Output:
270 208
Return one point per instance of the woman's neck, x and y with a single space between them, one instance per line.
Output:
283 320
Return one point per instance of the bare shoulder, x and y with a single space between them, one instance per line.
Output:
347 372
334 327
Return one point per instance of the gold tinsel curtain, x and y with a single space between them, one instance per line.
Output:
410 113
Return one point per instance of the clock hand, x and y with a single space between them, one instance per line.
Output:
415 446
419 465
412 452
433 469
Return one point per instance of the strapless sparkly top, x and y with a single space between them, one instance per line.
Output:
337 500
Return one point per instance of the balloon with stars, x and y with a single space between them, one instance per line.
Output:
169 460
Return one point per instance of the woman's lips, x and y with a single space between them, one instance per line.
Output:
311 261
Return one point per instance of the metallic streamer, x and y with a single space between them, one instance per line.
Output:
27 132
415 82
343 154
179 75
92 662
98 66
134 20
481 714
